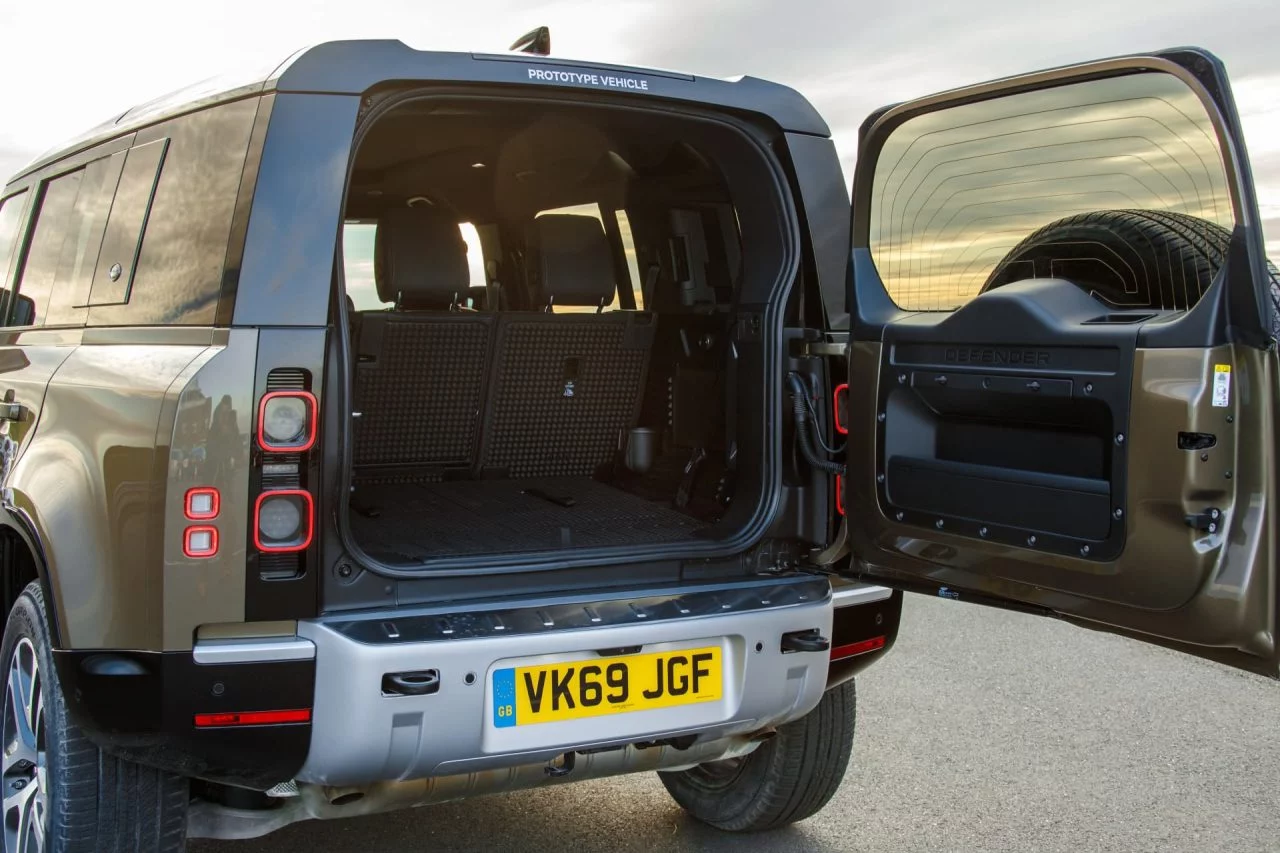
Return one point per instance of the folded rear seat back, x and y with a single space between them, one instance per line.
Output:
420 370
562 386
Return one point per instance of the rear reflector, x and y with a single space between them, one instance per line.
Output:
840 493
859 648
253 718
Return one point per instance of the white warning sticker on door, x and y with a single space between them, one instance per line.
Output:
1221 385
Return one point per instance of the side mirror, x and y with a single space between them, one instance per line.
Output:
537 42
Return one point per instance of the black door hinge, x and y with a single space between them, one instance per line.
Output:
1207 521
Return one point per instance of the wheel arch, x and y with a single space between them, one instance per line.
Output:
22 560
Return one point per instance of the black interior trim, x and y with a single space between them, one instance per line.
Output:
1005 420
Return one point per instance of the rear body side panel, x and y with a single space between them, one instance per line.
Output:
87 483
205 442
28 360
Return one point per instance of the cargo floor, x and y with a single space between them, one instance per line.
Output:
419 521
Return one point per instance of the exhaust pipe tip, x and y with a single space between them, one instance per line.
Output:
343 796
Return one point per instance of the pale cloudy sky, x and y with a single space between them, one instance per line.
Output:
65 66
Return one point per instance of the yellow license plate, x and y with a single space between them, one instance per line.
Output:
598 686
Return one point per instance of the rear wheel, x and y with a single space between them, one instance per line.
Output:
61 793
787 779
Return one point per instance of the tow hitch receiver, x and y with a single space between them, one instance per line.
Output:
805 641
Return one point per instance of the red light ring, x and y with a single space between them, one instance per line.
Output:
201 516
309 513
213 542
312 407
842 388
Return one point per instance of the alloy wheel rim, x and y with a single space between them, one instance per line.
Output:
24 770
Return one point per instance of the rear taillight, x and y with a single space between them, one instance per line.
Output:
199 542
284 473
283 521
201 503
287 421
840 406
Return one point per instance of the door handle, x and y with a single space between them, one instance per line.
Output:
9 410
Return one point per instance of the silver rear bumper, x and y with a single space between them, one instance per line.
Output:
361 736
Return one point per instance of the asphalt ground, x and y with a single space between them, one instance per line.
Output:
981 731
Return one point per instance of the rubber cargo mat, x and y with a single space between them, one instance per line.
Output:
412 522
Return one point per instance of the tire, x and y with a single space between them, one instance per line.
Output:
1129 258
787 779
76 798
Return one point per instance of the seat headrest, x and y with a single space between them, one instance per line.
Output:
420 259
575 263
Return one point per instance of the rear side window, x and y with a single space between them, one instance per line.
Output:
177 267
55 220
358 240
629 249
83 239
54 286
10 223
357 265
122 238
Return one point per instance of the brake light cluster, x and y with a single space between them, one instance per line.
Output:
840 410
200 504
284 517
840 406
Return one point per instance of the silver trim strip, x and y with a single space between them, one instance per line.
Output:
253 651
858 593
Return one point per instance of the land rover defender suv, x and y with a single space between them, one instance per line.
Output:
389 427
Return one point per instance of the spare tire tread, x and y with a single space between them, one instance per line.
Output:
1183 249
